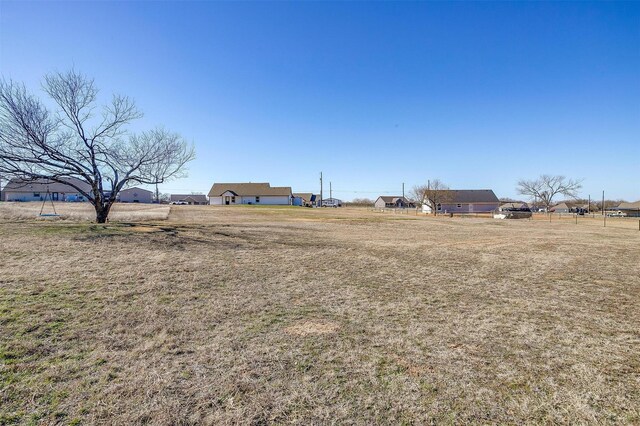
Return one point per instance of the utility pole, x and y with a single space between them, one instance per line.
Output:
603 204
433 207
403 192
330 192
320 190
589 205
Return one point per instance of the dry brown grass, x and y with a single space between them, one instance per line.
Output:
121 212
292 315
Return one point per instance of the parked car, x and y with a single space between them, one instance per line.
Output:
331 202
179 203
616 214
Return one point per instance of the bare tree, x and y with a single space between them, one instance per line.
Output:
546 187
75 141
163 198
433 193
361 202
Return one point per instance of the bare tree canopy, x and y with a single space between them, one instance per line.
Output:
361 202
78 141
433 193
546 187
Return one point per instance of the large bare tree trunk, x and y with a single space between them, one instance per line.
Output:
102 212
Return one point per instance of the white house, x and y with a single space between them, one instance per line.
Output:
25 190
227 194
135 195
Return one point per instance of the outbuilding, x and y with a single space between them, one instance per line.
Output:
135 195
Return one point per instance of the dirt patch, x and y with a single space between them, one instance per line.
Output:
310 328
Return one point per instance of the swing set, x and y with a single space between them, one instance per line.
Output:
44 202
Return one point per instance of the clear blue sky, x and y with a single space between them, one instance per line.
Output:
372 94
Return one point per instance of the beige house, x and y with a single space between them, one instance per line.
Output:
228 194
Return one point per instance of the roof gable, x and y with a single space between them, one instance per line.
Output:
393 199
307 196
195 197
464 196
630 206
42 185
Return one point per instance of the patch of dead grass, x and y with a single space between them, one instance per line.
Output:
310 328
220 316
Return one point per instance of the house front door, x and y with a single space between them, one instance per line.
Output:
54 196
227 200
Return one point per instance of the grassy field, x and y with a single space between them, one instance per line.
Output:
256 315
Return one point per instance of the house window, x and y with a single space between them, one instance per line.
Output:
439 207
233 199
257 199
459 205
36 194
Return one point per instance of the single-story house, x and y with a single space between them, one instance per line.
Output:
135 195
227 194
465 201
36 190
569 207
393 202
561 208
631 209
191 199
304 199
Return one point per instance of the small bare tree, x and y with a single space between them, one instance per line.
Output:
433 193
546 187
361 202
74 141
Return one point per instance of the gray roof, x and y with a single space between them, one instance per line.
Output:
41 185
135 189
198 198
393 199
629 206
306 196
472 196
249 189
